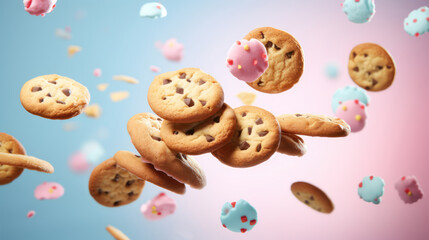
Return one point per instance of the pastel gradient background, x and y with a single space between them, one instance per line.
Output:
113 37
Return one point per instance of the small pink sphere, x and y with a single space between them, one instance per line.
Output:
97 72
353 113
30 214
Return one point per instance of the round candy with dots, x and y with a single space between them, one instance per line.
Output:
359 11
247 60
238 216
49 190
371 189
417 22
353 113
153 10
39 7
349 93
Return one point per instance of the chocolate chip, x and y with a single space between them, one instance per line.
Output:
258 148
99 191
262 133
67 92
190 132
276 47
189 102
179 90
389 67
268 44
290 54
259 121
188 80
216 119
175 132
239 132
262 35
156 138
130 194
249 130
116 203
260 83
48 95
60 102
9 150
298 115
379 67
374 82
166 81
164 98
36 89
116 178
312 198
0 143
203 102
365 55
40 100
356 69
182 76
159 119
354 54
367 88
209 138
137 156
129 183
244 145
53 82
201 82
297 193
244 114
307 202
369 73
106 192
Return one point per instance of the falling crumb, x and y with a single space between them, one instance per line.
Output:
154 68
119 96
93 111
116 233
31 214
97 72
126 79
69 126
247 98
102 87
72 50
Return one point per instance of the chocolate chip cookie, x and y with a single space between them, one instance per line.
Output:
285 59
9 144
257 138
54 97
313 125
203 136
371 67
292 145
23 161
185 96
312 196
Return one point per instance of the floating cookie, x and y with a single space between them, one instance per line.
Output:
9 144
285 59
144 130
185 96
353 113
409 189
124 78
49 190
312 196
54 97
171 49
203 136
371 189
238 216
113 186
116 233
23 161
257 138
72 50
247 98
39 7
292 145
349 93
159 207
153 10
247 60
313 125
359 11
371 67
417 22
137 166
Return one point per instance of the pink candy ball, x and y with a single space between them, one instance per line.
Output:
159 207
353 113
247 60
39 7
49 190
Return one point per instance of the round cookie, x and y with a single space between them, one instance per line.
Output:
144 130
312 196
116 233
292 145
257 138
203 136
23 161
185 96
371 67
136 165
9 144
285 60
54 97
313 125
113 186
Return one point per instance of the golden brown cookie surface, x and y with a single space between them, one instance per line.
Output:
312 196
9 144
313 125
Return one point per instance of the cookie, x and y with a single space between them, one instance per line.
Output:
203 136
54 97
144 130
313 125
257 138
116 233
23 161
371 67
312 196
9 144
136 165
113 186
285 60
185 96
292 145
